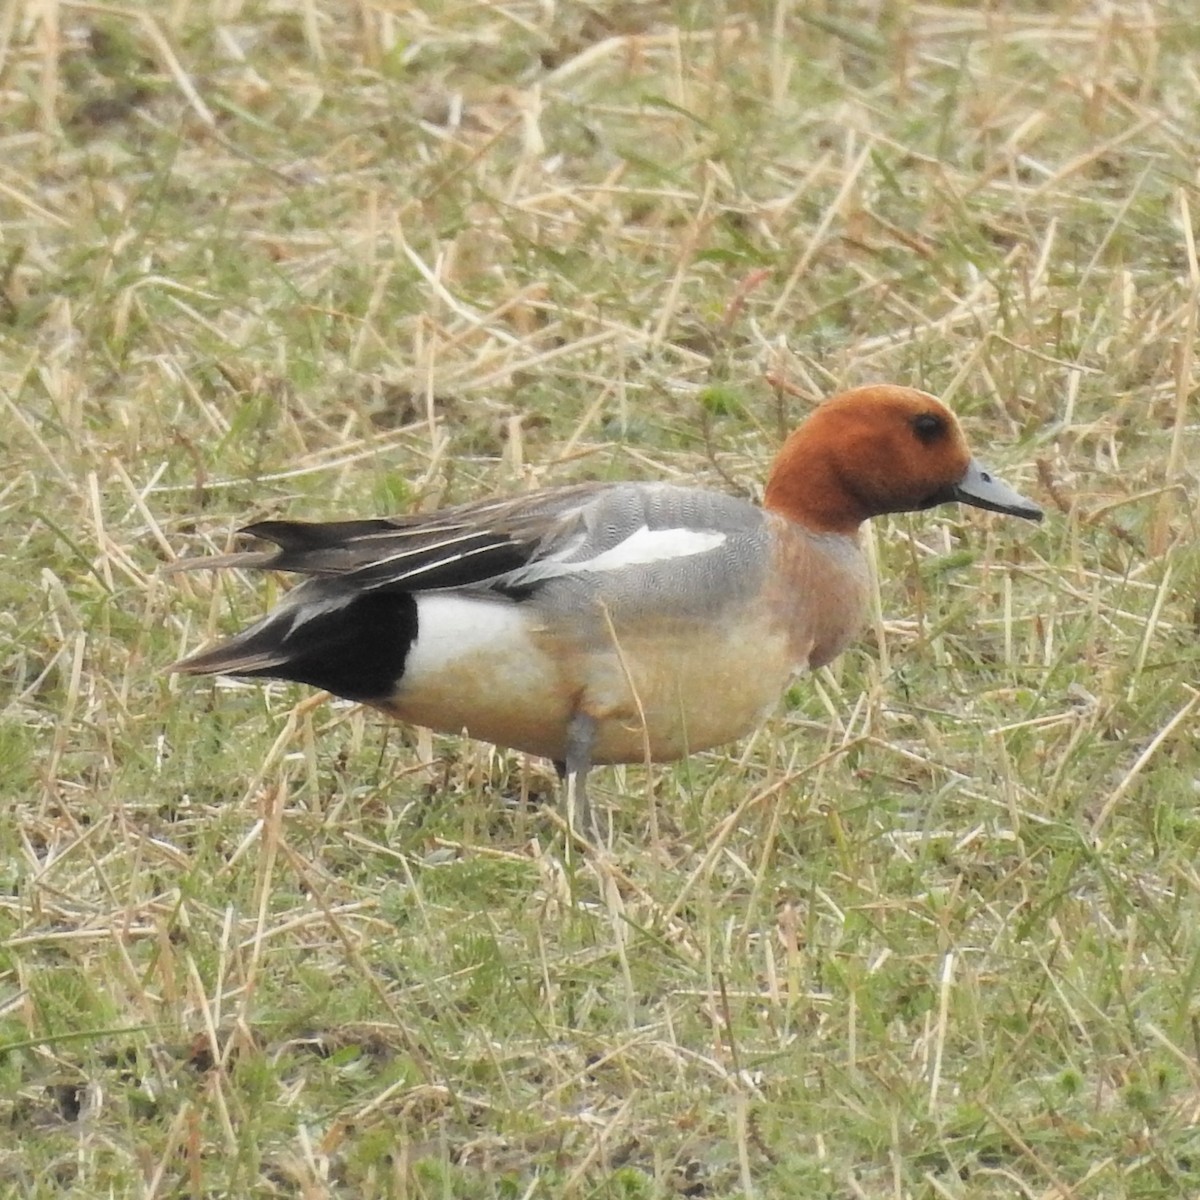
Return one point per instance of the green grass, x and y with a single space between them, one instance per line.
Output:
932 933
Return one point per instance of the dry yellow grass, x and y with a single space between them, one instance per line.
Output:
932 933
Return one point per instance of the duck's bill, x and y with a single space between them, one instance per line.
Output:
982 489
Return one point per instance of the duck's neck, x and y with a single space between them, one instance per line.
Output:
806 488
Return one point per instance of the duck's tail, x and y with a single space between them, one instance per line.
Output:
348 642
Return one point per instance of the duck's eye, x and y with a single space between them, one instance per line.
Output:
928 426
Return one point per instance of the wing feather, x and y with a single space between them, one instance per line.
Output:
507 545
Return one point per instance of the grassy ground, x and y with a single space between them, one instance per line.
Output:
934 932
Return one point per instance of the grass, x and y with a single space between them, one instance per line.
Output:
931 933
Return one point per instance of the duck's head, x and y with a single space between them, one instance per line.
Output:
881 449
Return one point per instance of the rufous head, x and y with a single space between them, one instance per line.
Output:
881 449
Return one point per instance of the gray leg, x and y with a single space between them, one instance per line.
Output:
581 734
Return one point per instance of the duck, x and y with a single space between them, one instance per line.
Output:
607 622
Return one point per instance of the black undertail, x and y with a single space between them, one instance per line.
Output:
353 644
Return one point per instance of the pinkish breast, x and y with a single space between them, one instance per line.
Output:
819 588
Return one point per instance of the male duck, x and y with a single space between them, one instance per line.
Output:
608 622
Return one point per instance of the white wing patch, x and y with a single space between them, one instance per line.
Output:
641 548
646 545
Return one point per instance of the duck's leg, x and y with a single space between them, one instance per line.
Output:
581 735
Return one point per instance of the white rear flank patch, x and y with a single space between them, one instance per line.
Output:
477 665
643 547
452 628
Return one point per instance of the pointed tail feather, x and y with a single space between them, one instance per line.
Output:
245 559
229 658
350 643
